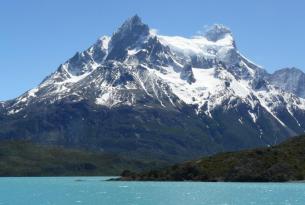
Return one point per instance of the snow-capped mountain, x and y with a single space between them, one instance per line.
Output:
141 92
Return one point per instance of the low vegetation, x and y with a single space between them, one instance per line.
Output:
284 162
22 158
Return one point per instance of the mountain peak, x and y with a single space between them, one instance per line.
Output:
290 69
127 35
134 20
133 25
217 32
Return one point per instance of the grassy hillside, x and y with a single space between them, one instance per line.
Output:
21 158
279 163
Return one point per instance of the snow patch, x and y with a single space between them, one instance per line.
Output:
253 116
197 45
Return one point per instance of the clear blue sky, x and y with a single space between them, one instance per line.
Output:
37 35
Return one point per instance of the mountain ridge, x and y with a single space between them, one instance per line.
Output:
291 79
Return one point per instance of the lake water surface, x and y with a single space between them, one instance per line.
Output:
97 191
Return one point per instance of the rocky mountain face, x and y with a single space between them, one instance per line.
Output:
155 96
289 79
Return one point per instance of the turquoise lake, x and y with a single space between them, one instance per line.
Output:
97 191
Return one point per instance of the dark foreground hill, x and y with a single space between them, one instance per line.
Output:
21 158
284 162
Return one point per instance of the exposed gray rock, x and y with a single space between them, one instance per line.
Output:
187 74
289 79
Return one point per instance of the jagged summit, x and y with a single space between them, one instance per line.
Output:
217 32
131 27
126 36
132 22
